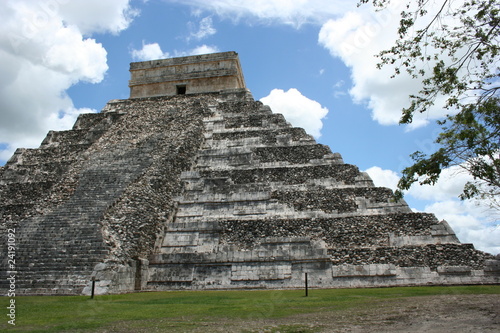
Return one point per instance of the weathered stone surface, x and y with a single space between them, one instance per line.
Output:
186 75
210 191
430 255
108 203
339 232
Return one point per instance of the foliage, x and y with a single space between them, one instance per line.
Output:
453 48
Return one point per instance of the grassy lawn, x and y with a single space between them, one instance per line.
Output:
181 311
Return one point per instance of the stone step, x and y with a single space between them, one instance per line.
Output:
265 156
289 175
96 121
72 137
353 231
428 255
16 212
264 135
269 250
19 192
51 153
41 172
62 251
256 120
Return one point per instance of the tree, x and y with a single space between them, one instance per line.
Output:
453 48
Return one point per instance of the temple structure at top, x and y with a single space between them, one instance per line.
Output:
186 75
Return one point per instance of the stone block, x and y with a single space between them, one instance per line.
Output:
492 265
176 239
187 75
261 271
454 270
171 273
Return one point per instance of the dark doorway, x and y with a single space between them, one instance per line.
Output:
181 90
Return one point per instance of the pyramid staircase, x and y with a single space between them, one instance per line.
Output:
264 204
211 191
53 209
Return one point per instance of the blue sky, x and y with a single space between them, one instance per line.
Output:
311 60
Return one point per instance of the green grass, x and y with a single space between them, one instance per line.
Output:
185 310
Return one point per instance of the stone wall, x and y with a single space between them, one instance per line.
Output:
99 194
264 204
331 200
186 75
212 191
55 237
171 133
430 255
340 232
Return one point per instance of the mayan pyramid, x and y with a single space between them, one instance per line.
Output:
192 184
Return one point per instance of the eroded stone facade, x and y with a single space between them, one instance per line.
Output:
212 191
186 75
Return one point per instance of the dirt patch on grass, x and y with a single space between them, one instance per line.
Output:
434 314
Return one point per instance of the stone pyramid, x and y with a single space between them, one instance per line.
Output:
192 184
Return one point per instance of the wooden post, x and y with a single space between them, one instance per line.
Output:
307 291
93 287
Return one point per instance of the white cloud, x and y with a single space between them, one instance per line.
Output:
203 49
355 35
43 52
295 13
339 90
299 110
206 29
92 16
83 60
449 185
149 52
356 38
339 84
471 223
153 51
383 178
